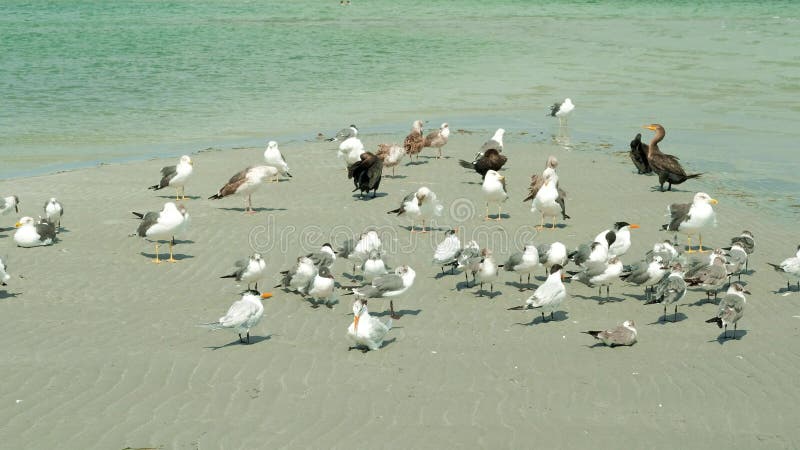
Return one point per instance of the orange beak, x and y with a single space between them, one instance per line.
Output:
633 226
266 295
355 324
650 127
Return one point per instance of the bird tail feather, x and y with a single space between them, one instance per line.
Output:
465 164
593 333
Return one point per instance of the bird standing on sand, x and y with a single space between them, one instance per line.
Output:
163 225
549 296
176 176
446 253
622 238
645 274
638 155
494 143
524 262
9 203
420 205
388 286
790 268
324 257
359 250
731 308
53 210
274 158
746 241
691 218
600 274
245 183
487 271
414 142
667 167
321 289
299 276
562 110
494 191
545 201
624 334
366 174
670 290
489 160
438 138
243 315
710 277
552 254
537 181
350 151
366 332
468 259
249 270
390 154
373 266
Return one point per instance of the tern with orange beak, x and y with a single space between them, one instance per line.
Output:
622 238
366 332
243 315
691 218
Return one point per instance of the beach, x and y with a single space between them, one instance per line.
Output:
101 347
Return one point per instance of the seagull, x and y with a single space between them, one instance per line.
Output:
562 110
731 308
9 203
389 285
596 251
299 276
321 288
359 250
245 183
494 143
549 296
691 218
446 253
667 167
487 271
176 176
710 277
53 210
494 191
243 315
350 151
274 158
366 173
324 257
622 238
373 266
438 138
489 160
469 258
164 225
790 268
624 334
390 154
665 250
366 331
546 200
746 241
420 205
344 134
34 234
537 181
524 262
249 270
4 276
646 274
414 142
670 290
738 257
600 274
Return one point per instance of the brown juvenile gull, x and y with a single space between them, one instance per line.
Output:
245 183
391 154
415 140
438 138
624 334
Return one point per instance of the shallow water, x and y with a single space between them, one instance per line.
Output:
89 81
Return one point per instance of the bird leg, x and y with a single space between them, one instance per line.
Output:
543 319
689 243
541 226
241 341
480 290
394 315
700 236
665 313
551 315
423 227
487 211
675 316
183 192
248 337
498 212
171 258
554 223
157 261
440 153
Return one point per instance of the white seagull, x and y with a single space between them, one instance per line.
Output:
176 176
622 238
446 253
549 296
34 234
274 158
350 151
321 288
299 277
790 268
624 334
163 225
9 203
373 266
670 290
421 205
494 191
359 251
389 285
53 210
600 274
552 254
249 270
524 262
243 315
487 271
545 201
4 276
245 183
731 308
562 110
691 218
366 331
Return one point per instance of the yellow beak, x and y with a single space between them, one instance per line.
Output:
650 127
713 201
18 224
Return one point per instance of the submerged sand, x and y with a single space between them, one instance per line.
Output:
100 348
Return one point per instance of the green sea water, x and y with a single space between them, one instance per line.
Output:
89 81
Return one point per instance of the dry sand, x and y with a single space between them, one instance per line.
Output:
100 348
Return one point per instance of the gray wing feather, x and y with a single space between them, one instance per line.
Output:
148 221
46 230
679 212
389 282
671 289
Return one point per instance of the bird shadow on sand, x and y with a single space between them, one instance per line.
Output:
446 273
670 318
656 188
703 301
258 210
600 299
601 344
521 286
399 312
494 217
418 230
549 226
253 340
472 182
182 241
394 176
368 197
366 350
416 163
4 294
558 316
188 197
176 256
785 290
732 336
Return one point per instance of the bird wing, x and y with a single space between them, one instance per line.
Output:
167 174
446 250
513 261
46 230
149 219
233 184
239 312
671 289
537 181
431 136
618 336
679 213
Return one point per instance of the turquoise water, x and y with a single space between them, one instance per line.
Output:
88 81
